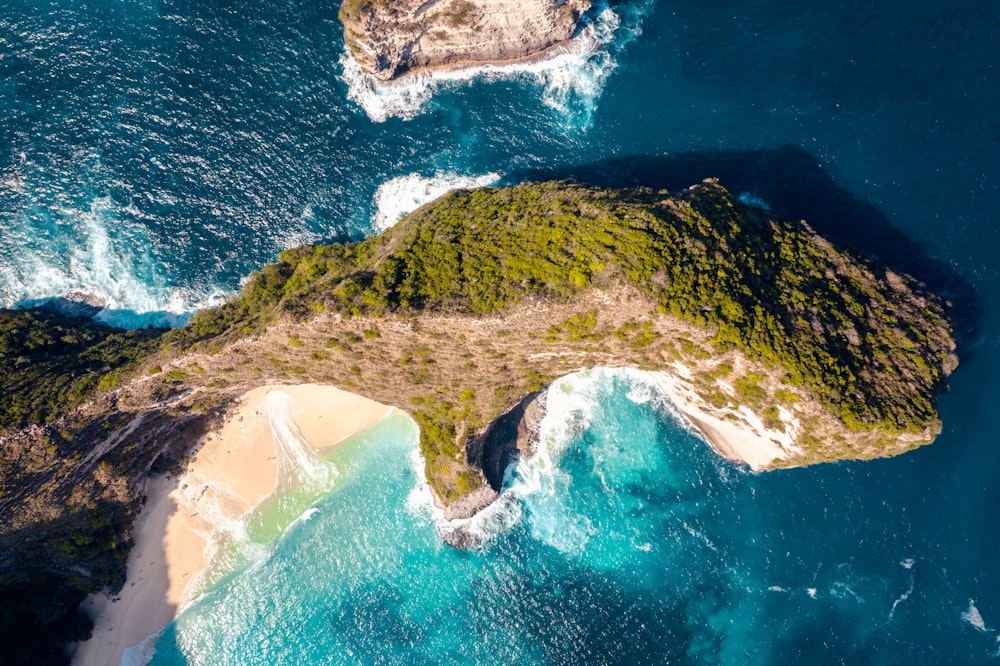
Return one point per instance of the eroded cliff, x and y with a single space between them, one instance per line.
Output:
764 334
391 39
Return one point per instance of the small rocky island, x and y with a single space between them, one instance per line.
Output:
392 39
783 349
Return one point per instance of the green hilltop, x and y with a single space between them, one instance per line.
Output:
871 345
460 314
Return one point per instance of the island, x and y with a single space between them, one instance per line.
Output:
782 349
392 39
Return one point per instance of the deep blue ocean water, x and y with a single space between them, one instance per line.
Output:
154 153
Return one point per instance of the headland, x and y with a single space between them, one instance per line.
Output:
781 348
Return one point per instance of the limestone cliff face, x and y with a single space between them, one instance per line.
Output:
390 39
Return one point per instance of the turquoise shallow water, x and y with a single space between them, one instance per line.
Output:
152 153
572 567
626 541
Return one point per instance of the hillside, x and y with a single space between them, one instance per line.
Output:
461 313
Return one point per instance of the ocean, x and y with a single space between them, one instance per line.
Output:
153 153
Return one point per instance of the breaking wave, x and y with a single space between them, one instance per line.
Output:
403 194
973 617
536 489
94 262
571 78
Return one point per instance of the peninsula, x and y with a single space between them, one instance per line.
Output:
782 349
392 39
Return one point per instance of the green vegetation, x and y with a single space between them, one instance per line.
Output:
458 12
579 327
748 389
873 350
38 615
760 305
770 288
351 10
785 396
49 363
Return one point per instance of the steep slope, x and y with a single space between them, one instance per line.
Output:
485 296
461 315
391 39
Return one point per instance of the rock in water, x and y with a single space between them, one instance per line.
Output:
390 39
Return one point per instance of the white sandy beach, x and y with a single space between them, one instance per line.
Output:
749 442
178 529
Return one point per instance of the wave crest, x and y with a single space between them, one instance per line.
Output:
103 263
535 491
403 194
572 77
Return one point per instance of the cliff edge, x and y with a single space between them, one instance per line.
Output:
391 39
783 349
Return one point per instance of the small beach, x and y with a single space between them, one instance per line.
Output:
751 444
188 519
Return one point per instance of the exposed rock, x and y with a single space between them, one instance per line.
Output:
512 436
390 39
470 504
74 304
756 326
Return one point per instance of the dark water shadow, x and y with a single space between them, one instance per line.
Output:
791 182
76 306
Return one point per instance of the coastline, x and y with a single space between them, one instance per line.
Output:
457 67
749 443
391 42
187 519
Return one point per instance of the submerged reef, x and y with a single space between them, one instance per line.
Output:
783 349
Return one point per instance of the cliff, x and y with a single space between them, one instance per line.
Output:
782 348
391 39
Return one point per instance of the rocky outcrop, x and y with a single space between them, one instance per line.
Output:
507 439
781 348
391 39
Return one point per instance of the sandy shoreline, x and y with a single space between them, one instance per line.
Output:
749 442
239 466
184 520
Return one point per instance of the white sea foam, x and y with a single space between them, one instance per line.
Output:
296 460
221 524
224 521
479 530
843 590
572 77
698 534
539 481
95 257
642 390
973 617
535 493
142 653
903 597
403 194
535 490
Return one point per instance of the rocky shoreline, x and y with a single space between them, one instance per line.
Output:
731 306
511 436
392 40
